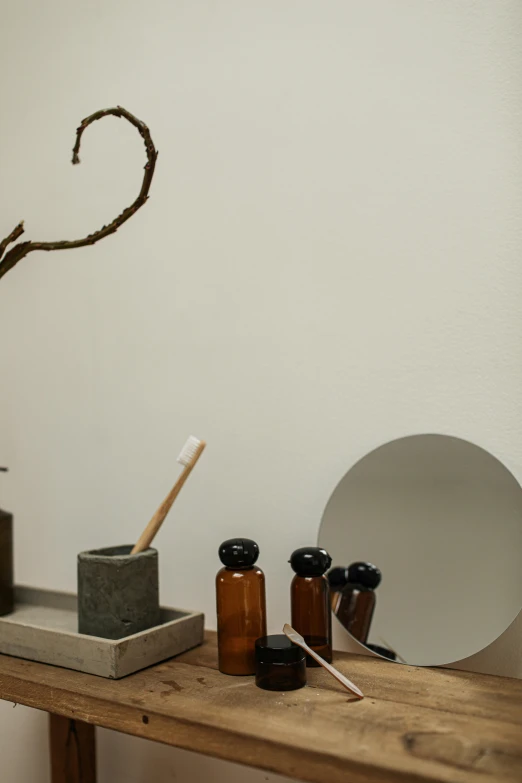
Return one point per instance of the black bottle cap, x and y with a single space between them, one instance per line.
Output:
338 578
241 552
310 561
364 574
278 649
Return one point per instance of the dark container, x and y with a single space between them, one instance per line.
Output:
352 597
118 593
241 606
310 599
6 563
280 664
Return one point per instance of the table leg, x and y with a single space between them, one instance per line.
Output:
73 750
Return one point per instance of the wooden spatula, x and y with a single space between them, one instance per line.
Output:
296 638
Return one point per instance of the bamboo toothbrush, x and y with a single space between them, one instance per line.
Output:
190 453
296 638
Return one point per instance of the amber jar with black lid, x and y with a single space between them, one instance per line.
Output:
310 599
280 664
241 606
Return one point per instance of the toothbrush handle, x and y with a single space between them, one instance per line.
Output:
146 538
348 684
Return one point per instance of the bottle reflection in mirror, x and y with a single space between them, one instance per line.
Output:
352 598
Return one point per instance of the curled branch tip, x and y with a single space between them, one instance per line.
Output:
10 258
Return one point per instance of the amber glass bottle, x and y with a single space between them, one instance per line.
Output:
6 563
241 606
311 615
353 598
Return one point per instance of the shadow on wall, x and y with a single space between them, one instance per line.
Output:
132 760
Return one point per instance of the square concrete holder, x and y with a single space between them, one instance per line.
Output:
43 627
118 593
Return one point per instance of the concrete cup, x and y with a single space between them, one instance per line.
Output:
118 593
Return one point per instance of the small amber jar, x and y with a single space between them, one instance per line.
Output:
280 664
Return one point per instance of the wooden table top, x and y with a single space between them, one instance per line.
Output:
414 724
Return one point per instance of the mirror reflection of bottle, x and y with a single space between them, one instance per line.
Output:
311 615
353 597
241 606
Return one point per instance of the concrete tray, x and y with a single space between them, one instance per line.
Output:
43 627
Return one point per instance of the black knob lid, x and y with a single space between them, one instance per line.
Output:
364 574
338 578
310 561
241 552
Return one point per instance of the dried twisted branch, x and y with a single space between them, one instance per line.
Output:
19 251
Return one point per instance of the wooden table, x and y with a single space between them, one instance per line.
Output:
413 725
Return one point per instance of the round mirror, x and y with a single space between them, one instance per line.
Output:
441 520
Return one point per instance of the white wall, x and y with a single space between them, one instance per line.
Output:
330 259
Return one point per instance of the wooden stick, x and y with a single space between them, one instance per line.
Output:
146 538
296 638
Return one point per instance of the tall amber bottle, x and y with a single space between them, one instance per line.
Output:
311 615
353 598
6 563
241 606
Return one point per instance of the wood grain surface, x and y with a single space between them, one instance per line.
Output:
414 724
72 750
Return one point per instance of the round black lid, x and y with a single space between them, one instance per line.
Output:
337 578
278 649
310 561
241 552
364 574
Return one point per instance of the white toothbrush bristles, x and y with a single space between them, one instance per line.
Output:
190 451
